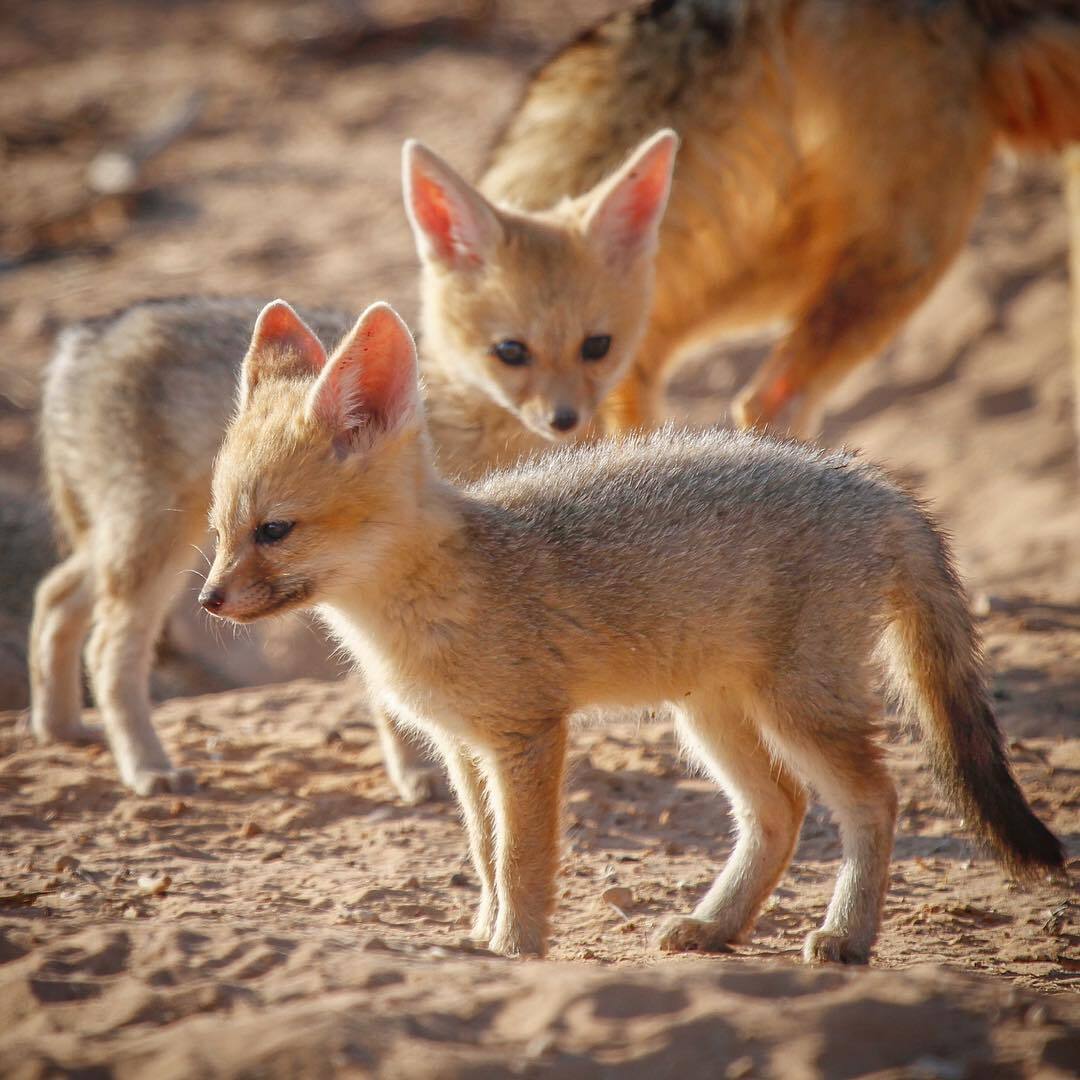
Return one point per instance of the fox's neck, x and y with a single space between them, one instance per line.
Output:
471 433
428 580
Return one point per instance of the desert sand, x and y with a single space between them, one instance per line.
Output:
291 918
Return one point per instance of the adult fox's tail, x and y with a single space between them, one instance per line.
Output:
936 665
1032 73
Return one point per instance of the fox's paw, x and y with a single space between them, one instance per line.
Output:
483 927
419 784
146 781
681 933
509 940
73 732
831 947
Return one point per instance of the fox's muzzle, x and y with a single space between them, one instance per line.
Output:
212 598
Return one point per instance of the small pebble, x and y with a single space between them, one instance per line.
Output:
66 862
250 829
154 885
619 897
457 879
411 883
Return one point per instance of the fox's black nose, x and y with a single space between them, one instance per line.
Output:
564 419
212 599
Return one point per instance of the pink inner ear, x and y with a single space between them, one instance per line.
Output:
372 377
433 214
645 192
630 212
280 328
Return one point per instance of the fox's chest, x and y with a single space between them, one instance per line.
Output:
423 691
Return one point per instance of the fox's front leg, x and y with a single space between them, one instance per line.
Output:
525 778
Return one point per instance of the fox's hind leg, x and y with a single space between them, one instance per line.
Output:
768 805
138 572
836 754
469 786
416 779
62 606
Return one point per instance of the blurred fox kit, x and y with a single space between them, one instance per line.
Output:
744 583
135 405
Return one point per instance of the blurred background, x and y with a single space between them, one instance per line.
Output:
243 148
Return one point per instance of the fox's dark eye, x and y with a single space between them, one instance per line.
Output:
595 347
514 353
270 532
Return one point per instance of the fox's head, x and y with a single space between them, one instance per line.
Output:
541 311
318 477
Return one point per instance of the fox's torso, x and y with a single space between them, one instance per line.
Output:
634 572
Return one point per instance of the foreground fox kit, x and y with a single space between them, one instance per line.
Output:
744 583
834 153
135 405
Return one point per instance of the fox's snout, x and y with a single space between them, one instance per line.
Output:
564 418
212 598
244 592
555 420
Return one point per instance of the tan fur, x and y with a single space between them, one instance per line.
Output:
1072 192
743 583
832 157
135 404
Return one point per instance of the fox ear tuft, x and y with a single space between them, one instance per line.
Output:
629 205
371 383
281 344
452 222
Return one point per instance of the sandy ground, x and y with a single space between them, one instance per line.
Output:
290 918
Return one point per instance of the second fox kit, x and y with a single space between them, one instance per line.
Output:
834 154
135 405
744 583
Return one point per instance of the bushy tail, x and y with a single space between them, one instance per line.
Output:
936 665
1032 75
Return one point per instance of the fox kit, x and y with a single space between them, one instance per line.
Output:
833 157
744 583
135 405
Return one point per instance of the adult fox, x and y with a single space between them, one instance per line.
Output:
833 155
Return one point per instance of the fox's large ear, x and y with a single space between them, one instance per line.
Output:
371 381
452 222
628 206
281 344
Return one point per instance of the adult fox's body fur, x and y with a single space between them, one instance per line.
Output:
134 408
833 154
742 582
